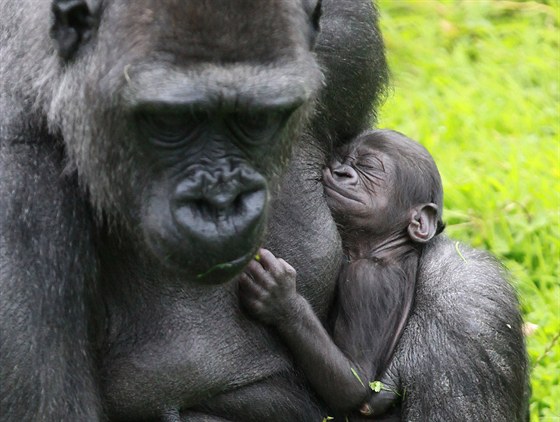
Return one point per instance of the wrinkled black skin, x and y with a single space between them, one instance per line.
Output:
102 315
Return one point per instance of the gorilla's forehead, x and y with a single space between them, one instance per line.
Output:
288 85
218 31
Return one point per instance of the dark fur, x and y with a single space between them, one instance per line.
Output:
474 327
374 301
93 325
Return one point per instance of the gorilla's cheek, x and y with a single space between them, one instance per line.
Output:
210 222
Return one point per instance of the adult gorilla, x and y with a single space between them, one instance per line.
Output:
139 146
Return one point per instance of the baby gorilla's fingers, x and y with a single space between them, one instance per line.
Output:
265 256
249 288
287 268
271 289
380 402
251 295
366 410
269 262
260 275
277 267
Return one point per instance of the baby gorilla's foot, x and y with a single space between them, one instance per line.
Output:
385 395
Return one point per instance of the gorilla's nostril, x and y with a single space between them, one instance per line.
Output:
219 202
219 192
234 200
344 173
239 203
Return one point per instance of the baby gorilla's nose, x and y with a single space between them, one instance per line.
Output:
344 173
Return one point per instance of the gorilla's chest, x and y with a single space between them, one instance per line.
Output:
176 349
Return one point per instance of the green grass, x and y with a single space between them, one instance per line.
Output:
478 83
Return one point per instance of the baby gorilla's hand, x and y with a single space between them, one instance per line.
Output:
268 288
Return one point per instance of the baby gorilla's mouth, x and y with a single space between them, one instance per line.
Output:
333 190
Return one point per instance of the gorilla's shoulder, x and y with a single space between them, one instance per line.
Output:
450 263
462 280
465 334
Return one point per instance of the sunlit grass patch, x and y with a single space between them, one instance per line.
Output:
478 83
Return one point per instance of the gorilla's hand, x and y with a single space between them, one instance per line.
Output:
268 289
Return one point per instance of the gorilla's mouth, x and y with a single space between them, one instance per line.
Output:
209 224
209 239
332 190
216 223
208 259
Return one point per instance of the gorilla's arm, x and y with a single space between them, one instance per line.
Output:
45 266
462 354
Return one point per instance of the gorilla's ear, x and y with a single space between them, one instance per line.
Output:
423 222
72 26
314 10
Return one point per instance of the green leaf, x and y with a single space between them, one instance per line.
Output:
376 386
357 376
459 252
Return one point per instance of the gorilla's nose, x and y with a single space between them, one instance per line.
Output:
344 173
215 207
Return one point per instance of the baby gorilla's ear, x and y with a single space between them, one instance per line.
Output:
423 222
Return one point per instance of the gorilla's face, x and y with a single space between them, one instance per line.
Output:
183 134
211 154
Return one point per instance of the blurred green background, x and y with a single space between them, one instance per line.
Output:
478 83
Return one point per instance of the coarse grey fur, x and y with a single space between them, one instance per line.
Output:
466 326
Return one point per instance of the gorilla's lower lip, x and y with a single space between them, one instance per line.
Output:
337 193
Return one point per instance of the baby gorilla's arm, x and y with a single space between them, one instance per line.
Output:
268 291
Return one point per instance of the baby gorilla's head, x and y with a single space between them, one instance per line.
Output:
384 183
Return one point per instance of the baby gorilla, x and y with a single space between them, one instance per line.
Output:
385 194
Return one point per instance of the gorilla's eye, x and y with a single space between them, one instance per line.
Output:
168 128
370 162
258 127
